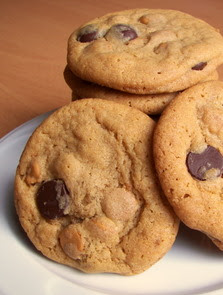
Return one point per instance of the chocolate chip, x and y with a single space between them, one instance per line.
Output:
200 66
52 199
127 33
201 165
88 34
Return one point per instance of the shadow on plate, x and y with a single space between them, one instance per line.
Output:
197 241
13 220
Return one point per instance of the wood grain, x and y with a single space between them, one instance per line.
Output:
33 43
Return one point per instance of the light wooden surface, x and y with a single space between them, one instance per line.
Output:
33 43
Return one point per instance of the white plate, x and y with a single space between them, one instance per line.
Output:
192 266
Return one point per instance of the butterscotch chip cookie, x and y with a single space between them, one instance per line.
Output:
145 50
151 104
94 202
188 152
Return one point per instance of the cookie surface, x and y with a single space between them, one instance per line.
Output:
188 153
151 104
86 192
145 51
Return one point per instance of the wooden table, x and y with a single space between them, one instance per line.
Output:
33 41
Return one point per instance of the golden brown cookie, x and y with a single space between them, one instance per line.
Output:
145 51
188 153
86 192
151 104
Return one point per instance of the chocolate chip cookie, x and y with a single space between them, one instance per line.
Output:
145 51
188 152
151 104
86 192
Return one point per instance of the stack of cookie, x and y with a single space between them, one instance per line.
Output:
100 186
142 57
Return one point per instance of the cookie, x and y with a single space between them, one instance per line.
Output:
151 104
148 103
145 51
86 192
188 153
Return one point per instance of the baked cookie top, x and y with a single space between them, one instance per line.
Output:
188 153
86 191
145 50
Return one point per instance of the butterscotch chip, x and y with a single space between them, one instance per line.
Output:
153 19
120 204
188 154
120 51
161 47
98 199
33 172
103 229
72 242
144 19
